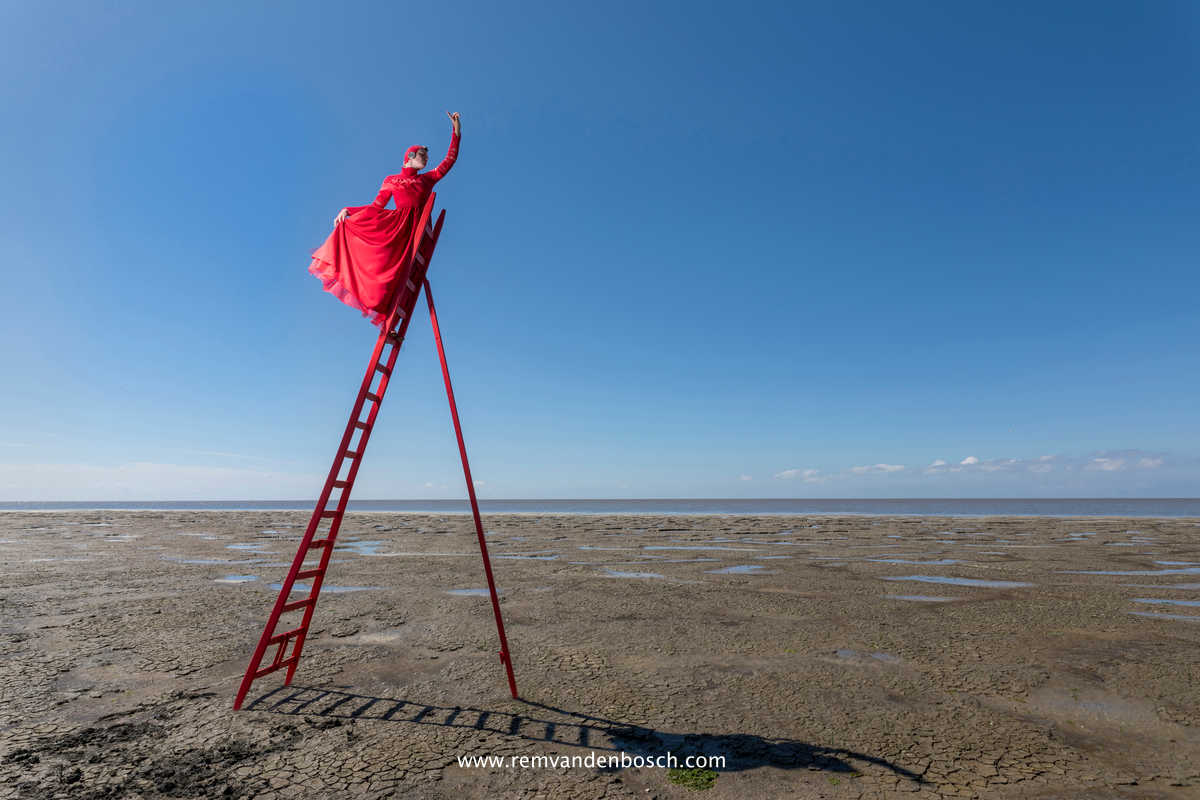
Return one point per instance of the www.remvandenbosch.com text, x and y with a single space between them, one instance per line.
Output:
593 760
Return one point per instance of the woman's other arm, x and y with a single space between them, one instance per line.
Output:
380 201
440 171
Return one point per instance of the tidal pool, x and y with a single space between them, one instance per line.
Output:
358 547
740 569
961 581
698 547
1165 601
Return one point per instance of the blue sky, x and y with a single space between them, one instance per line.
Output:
691 250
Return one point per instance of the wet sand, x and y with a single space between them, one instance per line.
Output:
822 656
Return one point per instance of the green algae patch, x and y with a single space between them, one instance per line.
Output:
693 778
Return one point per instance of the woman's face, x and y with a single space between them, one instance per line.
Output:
418 159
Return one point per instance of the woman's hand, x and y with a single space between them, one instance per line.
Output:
341 216
455 121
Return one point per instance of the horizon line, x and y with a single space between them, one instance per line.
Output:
602 499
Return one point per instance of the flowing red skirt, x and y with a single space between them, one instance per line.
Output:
365 259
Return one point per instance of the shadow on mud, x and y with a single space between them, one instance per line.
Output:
544 723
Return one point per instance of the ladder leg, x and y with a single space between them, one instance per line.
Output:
462 451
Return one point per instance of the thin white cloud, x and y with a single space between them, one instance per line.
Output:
1110 461
936 466
806 475
745 478
872 468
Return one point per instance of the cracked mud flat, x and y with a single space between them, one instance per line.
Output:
124 635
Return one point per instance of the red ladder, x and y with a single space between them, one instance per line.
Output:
325 522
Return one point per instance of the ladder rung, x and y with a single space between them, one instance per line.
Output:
351 454
340 484
309 573
287 662
374 398
308 601
384 368
361 425
318 543
412 287
279 637
421 259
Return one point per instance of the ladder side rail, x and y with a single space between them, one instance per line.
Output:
410 257
343 501
409 291
420 268
505 655
302 552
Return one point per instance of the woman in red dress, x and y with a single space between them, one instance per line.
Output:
362 259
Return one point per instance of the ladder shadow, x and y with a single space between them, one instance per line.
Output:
549 724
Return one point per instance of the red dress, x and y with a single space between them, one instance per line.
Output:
362 260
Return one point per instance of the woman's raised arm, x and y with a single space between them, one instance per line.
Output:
441 169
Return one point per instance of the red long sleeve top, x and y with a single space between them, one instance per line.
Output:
410 188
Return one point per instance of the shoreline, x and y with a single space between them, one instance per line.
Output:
713 514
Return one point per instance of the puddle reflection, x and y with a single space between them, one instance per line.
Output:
740 569
961 581
1165 601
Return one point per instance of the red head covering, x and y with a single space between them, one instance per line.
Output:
412 150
